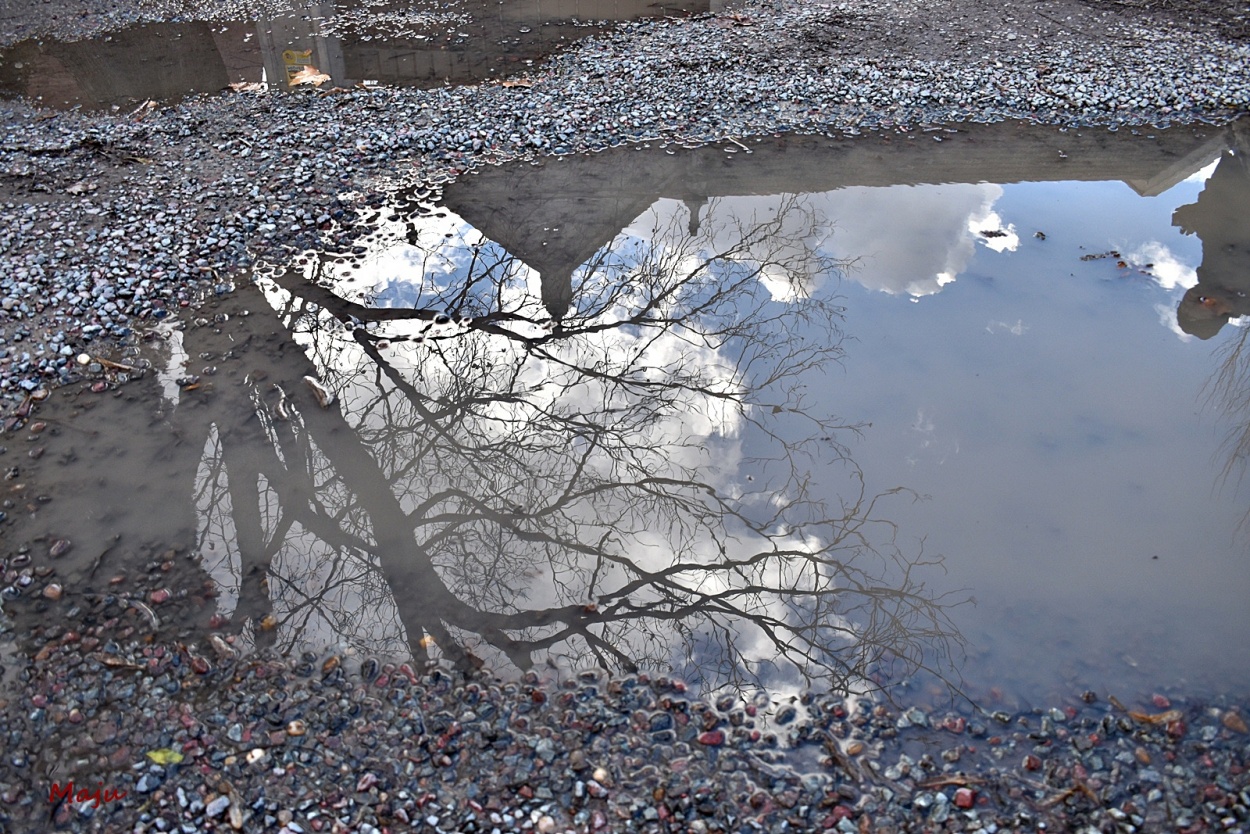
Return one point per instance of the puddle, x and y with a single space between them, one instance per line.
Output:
424 44
826 411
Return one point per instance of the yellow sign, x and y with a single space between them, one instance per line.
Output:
295 61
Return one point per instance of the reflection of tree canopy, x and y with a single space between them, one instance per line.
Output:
628 483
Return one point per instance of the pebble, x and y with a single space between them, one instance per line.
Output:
381 765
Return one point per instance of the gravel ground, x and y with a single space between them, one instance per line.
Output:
116 221
205 743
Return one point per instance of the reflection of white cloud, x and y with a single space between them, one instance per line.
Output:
911 240
1159 263
1017 329
933 445
903 240
781 284
1002 238
1167 318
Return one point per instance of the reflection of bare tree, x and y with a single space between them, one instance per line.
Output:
1223 289
1229 391
628 483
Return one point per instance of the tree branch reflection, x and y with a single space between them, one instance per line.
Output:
628 483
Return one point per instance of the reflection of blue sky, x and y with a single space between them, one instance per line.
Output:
1061 433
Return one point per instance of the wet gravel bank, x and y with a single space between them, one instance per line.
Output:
200 741
118 220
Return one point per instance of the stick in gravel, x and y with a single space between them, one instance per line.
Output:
96 564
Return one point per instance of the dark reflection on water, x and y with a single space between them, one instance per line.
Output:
426 44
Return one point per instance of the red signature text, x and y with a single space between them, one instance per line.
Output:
95 797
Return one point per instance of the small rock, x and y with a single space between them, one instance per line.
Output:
712 738
217 807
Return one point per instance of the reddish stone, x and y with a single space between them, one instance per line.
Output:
1161 701
712 738
526 791
1032 762
965 798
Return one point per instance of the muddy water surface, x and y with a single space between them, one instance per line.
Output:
800 411
345 44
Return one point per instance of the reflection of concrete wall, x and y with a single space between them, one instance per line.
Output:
240 54
160 61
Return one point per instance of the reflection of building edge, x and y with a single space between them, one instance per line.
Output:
1220 219
555 216
158 61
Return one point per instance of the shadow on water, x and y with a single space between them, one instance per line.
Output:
560 427
424 45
